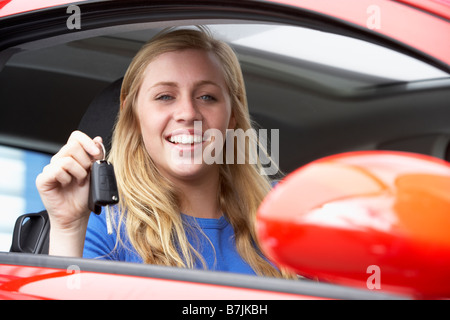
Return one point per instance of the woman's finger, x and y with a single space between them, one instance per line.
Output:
88 144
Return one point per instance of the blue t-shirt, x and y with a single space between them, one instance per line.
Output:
223 257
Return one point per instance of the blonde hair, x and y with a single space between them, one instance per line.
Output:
149 202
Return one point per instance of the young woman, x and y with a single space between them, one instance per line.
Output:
172 212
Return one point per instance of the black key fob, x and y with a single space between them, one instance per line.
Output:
103 186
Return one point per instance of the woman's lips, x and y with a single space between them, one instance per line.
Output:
186 138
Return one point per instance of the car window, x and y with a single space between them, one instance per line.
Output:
295 80
18 194
325 92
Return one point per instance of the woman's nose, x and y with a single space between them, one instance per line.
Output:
187 110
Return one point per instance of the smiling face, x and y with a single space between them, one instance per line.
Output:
180 88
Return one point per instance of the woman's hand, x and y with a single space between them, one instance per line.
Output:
64 189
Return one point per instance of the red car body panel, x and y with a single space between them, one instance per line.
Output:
438 7
24 282
418 29
12 7
421 24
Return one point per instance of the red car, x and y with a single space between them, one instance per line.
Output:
359 92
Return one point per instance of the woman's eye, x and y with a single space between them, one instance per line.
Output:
207 97
164 97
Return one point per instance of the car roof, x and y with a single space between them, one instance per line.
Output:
427 21
13 7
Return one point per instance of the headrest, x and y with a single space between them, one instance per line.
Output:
101 114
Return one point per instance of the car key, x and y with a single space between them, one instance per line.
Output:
103 188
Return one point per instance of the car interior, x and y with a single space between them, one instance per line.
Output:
320 107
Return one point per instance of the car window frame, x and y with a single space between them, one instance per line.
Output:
49 23
22 30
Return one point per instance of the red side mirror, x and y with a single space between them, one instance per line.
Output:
376 219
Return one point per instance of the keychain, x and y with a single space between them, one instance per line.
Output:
103 188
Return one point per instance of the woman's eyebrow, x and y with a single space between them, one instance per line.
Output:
174 84
164 83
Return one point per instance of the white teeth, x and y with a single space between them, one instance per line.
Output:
186 139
